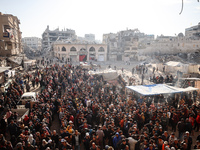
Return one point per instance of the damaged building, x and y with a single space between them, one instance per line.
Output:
185 46
50 36
124 45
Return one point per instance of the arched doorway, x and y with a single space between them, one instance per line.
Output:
101 56
92 53
82 54
73 54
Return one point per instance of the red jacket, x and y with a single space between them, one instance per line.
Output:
198 119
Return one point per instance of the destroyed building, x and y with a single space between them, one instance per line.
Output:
50 36
187 45
124 45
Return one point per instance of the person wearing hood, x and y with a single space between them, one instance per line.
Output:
116 139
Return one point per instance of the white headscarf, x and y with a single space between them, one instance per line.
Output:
30 139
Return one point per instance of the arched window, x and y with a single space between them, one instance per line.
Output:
63 48
73 49
82 49
101 49
92 49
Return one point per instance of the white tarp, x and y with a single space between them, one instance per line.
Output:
157 89
107 74
174 64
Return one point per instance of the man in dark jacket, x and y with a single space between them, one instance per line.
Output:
76 140
12 127
181 128
55 138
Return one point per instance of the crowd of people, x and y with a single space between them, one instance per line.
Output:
95 115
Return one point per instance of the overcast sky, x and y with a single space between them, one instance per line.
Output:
103 16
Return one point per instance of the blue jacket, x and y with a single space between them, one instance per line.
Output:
116 140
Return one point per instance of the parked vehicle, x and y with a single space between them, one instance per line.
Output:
28 97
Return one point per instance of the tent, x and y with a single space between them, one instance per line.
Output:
157 89
173 66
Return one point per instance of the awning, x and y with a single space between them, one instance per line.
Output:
157 89
16 59
4 69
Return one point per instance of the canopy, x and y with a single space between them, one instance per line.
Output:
157 89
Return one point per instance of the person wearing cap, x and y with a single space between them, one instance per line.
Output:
86 141
189 139
164 145
116 139
65 144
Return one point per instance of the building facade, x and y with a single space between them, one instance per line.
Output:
78 52
10 35
33 42
193 32
50 36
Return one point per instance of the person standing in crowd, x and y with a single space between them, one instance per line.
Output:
76 140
